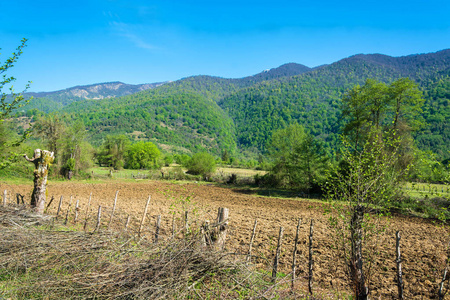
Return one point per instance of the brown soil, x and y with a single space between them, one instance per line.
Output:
424 243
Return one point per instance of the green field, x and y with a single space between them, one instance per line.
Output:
422 190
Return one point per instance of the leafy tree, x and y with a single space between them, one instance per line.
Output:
168 160
142 155
225 156
77 153
69 143
201 163
298 159
367 179
51 129
364 107
8 103
182 159
112 153
376 154
406 101
393 109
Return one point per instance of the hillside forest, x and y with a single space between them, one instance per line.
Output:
292 121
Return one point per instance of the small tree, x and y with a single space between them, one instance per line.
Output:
8 103
298 159
367 181
201 164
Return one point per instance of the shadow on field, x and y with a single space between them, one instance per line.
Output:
271 192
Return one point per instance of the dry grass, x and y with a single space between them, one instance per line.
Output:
42 259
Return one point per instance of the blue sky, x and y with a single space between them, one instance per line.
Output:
91 41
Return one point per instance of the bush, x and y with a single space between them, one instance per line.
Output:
143 155
201 164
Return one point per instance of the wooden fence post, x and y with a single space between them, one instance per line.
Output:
88 207
68 210
173 225
294 254
206 234
158 225
186 222
311 261
19 198
127 222
114 208
49 203
59 207
76 210
144 215
252 237
277 256
399 266
222 222
99 217
441 293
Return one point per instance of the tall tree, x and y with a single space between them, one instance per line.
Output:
364 107
77 153
406 102
51 128
297 158
367 178
113 151
376 154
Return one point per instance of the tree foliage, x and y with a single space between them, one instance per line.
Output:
112 152
8 103
376 154
201 163
298 159
13 101
366 181
142 155
68 142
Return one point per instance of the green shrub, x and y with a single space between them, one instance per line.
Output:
201 164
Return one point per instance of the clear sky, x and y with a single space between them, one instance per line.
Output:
143 41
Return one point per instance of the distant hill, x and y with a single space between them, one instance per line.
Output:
97 91
214 113
51 101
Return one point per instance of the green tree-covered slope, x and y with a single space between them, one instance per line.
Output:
214 114
188 121
313 98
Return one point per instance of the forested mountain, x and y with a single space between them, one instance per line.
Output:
313 98
180 121
213 113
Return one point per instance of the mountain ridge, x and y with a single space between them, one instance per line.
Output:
252 107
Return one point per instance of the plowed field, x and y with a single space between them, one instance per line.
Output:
424 243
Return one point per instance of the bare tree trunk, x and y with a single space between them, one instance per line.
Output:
41 160
356 261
